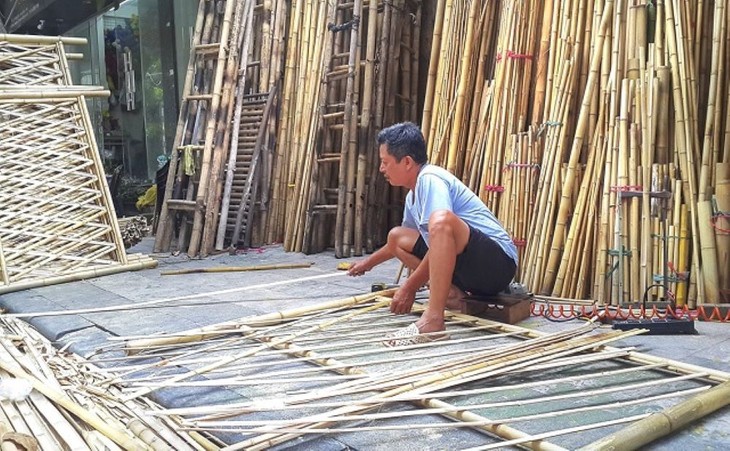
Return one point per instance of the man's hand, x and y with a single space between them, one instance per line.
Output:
402 300
359 268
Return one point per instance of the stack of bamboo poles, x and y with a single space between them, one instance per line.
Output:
234 65
271 356
57 220
613 190
67 409
351 68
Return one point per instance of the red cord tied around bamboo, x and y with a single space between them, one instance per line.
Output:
626 188
519 243
513 165
494 188
569 311
513 55
718 216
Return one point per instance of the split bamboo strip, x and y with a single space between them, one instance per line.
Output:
240 356
133 306
119 436
236 268
68 373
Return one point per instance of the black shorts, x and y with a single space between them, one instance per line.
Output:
482 269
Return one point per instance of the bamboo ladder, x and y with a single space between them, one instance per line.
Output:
336 157
253 119
186 190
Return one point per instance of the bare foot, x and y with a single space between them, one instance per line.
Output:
453 300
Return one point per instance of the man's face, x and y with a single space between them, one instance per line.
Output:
394 171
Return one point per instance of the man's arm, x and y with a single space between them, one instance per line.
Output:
381 255
405 296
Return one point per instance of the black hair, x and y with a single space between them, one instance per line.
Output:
404 140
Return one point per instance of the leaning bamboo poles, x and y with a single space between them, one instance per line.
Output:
331 71
615 163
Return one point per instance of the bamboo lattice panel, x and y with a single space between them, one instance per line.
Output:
31 65
57 222
55 217
318 372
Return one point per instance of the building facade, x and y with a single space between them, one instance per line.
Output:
138 49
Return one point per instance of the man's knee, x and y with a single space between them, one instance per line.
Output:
442 221
402 238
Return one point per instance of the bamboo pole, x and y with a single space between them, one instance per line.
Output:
663 423
236 268
708 253
40 40
722 229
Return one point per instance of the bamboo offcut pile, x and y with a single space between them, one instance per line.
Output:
600 140
65 408
57 221
323 370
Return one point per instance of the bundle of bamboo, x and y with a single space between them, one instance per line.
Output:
603 194
333 105
57 221
234 65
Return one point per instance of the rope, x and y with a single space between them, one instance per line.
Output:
716 217
350 25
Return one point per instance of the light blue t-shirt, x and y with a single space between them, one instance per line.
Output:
438 189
